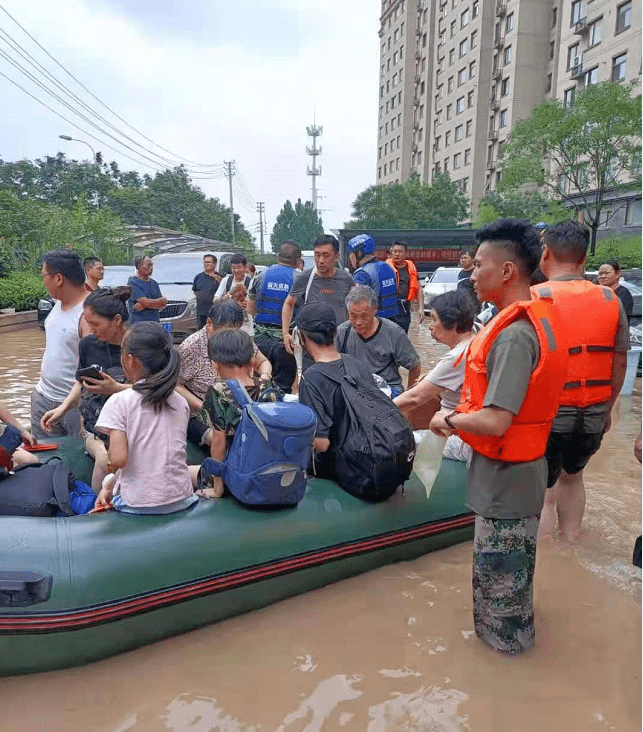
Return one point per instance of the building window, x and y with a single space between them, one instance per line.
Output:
459 131
507 56
509 23
619 66
450 84
467 156
572 56
452 57
386 129
399 116
449 111
464 19
397 163
457 161
504 87
472 69
394 58
393 102
385 168
568 97
453 28
474 39
395 78
548 86
633 213
439 117
475 9
393 123
396 35
459 106
379 153
401 52
446 165
420 158
422 111
379 172
469 127
392 144
503 118
420 137
437 143
552 49
498 177
595 33
424 63
386 149
464 47
386 107
591 76
462 76
554 17
470 96
624 16
421 88
464 184
577 12
447 139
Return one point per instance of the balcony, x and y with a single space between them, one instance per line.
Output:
499 43
414 147
493 134
501 9
416 102
416 79
418 55
416 125
581 27
494 104
491 164
576 69
497 73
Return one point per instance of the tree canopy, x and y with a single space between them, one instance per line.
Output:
533 206
300 223
579 150
410 205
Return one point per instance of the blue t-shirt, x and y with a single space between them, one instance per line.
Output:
143 288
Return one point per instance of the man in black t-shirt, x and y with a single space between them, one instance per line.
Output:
204 287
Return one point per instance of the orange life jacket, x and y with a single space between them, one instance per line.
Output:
414 284
588 316
527 435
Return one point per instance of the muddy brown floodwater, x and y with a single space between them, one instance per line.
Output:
389 651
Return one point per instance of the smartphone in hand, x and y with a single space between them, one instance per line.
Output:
92 372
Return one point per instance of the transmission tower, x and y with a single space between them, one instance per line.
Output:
314 131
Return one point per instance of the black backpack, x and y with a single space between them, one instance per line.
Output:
375 447
36 489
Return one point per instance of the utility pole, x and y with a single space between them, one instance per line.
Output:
314 131
261 207
229 174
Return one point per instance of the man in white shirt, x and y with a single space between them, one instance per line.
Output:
63 276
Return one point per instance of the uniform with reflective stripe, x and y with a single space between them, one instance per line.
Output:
277 282
414 284
588 316
384 275
527 435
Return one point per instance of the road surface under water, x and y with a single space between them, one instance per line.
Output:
389 651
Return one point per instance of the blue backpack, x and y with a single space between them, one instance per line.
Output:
270 453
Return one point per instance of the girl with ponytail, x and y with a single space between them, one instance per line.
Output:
147 425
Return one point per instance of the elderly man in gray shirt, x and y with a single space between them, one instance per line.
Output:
378 342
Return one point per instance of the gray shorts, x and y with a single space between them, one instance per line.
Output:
68 426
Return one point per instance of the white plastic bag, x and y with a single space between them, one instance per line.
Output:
428 457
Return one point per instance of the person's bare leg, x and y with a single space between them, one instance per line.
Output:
96 448
549 516
23 457
570 505
194 475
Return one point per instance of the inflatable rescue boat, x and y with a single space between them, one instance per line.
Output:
78 589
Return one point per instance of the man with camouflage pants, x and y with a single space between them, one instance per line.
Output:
513 380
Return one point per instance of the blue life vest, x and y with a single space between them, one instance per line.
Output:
277 283
269 456
384 283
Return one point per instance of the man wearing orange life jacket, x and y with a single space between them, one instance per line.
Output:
408 286
596 335
513 379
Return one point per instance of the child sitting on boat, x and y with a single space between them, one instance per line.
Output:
12 435
231 353
147 425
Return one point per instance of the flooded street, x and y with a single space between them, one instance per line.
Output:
389 651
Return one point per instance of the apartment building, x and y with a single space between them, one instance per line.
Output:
455 75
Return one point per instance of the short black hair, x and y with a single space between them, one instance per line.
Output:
613 264
210 256
108 302
321 338
470 252
226 312
89 262
400 244
289 252
567 240
231 347
66 263
518 237
238 258
456 309
326 239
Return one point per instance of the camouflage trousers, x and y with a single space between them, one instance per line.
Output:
504 559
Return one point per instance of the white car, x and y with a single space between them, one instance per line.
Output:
442 280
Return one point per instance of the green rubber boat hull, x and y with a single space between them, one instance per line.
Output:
111 582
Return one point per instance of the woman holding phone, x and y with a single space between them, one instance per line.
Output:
99 373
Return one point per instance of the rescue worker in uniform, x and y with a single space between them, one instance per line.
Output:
408 286
594 329
370 272
513 379
266 296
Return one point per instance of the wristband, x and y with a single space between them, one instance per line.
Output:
447 419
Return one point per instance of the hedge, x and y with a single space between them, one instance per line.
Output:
21 290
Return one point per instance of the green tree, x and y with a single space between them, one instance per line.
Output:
580 151
410 205
533 206
300 222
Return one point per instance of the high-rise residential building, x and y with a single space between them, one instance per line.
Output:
455 75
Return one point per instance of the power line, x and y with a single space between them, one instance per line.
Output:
179 157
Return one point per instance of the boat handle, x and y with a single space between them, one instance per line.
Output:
19 589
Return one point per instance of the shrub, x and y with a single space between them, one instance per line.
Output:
625 249
21 290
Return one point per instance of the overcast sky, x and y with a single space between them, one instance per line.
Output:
209 80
